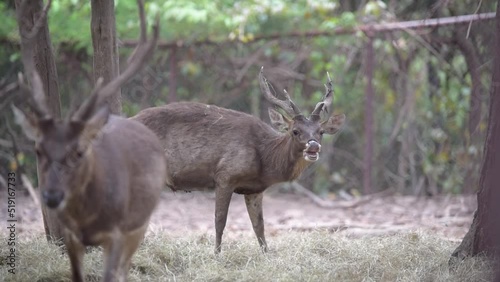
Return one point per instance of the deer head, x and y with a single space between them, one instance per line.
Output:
63 146
305 132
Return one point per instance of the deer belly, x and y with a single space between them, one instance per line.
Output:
191 181
249 190
94 239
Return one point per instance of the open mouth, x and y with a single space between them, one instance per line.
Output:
311 152
311 156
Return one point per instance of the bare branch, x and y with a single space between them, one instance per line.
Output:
383 27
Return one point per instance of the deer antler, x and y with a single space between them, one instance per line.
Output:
89 106
325 102
38 104
287 105
142 53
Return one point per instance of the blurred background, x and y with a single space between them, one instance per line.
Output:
416 99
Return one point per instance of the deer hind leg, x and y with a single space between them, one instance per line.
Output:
222 200
76 250
131 242
254 208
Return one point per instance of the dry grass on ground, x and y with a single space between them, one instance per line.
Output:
294 256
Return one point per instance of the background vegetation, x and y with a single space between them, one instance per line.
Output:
426 140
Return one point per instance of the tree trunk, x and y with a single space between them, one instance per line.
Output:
46 68
368 150
106 59
472 135
484 234
173 75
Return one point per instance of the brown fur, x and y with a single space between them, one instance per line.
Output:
109 176
209 147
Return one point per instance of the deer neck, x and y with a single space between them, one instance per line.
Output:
284 159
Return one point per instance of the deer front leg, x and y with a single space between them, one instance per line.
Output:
222 199
75 252
254 208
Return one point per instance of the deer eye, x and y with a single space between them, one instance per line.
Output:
295 132
79 153
321 132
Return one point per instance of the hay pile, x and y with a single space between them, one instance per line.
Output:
295 256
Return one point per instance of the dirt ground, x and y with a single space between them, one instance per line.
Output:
180 212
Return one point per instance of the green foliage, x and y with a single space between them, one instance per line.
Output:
430 136
8 28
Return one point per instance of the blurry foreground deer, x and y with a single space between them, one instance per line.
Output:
102 173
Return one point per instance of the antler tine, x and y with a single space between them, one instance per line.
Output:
88 107
288 106
142 53
39 95
328 98
295 109
38 104
326 101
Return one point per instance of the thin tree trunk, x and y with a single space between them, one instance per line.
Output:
484 234
368 150
473 65
472 135
106 59
46 67
173 76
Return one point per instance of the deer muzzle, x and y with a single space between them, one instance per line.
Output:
52 198
311 152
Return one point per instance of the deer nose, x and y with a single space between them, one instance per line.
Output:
52 198
313 146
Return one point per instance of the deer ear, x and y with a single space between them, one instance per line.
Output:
94 125
28 123
278 120
333 124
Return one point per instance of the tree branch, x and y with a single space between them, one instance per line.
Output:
383 27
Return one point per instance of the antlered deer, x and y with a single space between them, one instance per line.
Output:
101 173
233 152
